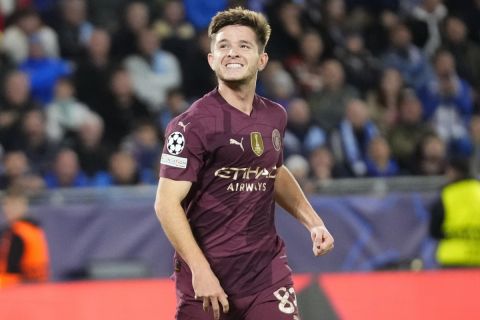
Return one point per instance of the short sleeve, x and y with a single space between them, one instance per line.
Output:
184 150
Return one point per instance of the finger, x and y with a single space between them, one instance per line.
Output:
326 250
215 308
317 245
224 302
323 248
326 244
206 304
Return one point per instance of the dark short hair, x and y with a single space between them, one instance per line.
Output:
244 17
460 164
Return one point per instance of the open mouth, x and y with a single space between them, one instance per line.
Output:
233 65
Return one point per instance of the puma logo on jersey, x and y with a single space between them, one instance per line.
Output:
233 141
183 125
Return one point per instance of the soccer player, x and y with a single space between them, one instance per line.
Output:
221 173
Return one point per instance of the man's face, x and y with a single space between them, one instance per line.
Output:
14 207
235 55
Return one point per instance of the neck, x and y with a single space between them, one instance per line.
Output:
240 96
99 60
382 163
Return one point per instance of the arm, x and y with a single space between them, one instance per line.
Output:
290 197
35 260
171 215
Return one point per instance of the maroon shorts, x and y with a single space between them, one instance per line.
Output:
275 302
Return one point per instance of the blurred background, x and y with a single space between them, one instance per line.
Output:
384 118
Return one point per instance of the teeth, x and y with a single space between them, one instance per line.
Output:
234 65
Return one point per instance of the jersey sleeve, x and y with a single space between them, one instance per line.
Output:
184 150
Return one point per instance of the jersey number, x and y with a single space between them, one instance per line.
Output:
286 305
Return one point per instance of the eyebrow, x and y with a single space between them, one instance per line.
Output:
246 42
241 42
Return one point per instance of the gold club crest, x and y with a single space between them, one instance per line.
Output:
256 142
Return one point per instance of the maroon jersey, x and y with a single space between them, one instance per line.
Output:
231 159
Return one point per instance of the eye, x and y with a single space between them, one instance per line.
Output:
245 46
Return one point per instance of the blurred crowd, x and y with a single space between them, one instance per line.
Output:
372 88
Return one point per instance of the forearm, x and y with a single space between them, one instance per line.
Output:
174 222
290 197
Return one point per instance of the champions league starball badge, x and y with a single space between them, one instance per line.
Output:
175 143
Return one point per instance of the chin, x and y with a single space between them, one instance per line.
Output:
235 79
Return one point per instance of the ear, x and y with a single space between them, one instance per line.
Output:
210 60
262 62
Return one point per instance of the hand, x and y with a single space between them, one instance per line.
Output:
322 240
207 287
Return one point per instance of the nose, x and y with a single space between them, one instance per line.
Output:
232 52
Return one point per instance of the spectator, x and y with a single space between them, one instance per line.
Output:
329 103
383 102
66 171
448 103
379 161
302 134
408 131
24 254
431 156
197 74
16 101
425 20
174 106
173 30
277 83
361 67
16 39
74 30
377 32
65 115
43 71
286 20
33 140
94 71
305 66
465 51
136 18
352 138
123 109
335 22
93 153
455 221
154 71
323 166
124 171
17 173
300 169
144 145
407 58
8 9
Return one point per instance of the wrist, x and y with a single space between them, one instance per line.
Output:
315 223
199 265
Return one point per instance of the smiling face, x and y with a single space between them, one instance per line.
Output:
235 55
